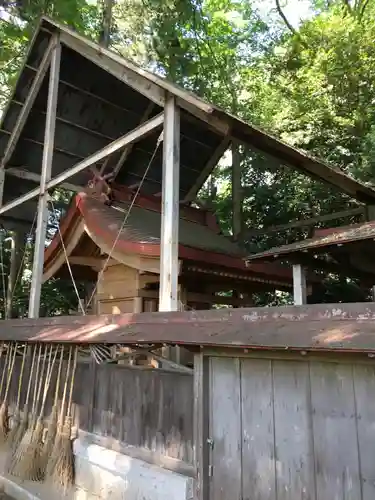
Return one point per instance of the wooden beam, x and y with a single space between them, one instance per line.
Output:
307 222
115 65
42 217
169 265
236 192
299 285
129 148
207 169
30 99
111 148
201 298
21 173
95 262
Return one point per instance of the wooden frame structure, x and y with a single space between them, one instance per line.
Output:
174 102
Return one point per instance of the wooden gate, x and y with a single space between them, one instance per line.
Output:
290 429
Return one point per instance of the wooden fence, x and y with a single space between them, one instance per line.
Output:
301 428
139 406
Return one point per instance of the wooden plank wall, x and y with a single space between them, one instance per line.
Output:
292 430
137 406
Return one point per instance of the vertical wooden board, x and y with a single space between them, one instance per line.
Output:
225 429
258 446
293 431
364 390
335 434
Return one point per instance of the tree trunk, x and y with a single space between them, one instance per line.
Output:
236 193
105 31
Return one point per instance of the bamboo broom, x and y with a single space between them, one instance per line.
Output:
63 472
20 466
52 424
56 446
15 456
17 414
4 417
34 452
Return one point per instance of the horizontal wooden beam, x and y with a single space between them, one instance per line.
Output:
306 222
346 328
21 173
201 298
111 148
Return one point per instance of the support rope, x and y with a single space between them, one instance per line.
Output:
100 274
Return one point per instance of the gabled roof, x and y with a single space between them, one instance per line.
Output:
103 96
327 238
199 236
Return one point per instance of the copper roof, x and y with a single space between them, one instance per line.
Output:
138 233
330 238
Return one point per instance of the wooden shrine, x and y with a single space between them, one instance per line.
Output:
211 266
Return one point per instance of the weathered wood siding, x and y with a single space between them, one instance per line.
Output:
137 406
291 430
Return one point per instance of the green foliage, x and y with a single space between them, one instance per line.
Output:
312 86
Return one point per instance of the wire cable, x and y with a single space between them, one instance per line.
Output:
100 274
67 259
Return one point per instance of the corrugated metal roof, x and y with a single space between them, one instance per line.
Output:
337 236
103 96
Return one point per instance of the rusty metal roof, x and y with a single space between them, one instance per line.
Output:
103 96
315 328
335 237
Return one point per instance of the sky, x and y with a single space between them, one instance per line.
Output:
294 10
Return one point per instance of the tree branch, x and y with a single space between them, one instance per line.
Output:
363 8
347 6
284 18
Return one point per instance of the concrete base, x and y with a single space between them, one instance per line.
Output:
106 474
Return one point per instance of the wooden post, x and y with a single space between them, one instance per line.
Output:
42 218
299 285
169 267
236 192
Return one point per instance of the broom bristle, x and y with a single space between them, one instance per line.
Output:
55 451
4 423
16 440
30 462
50 438
63 472
19 464
13 431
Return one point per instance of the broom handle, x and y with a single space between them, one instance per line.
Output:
41 378
30 377
11 366
57 387
36 379
21 377
65 387
72 383
48 381
58 377
5 369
